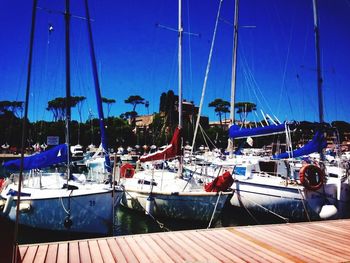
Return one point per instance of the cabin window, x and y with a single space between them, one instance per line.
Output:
268 167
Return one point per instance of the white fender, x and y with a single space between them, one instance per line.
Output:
328 211
8 205
149 205
24 207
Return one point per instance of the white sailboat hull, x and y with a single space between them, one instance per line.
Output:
173 197
292 202
201 206
91 208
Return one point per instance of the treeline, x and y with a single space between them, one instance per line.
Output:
119 132
123 131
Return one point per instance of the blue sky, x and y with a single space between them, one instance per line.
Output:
276 57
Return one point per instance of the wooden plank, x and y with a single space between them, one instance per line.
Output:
62 253
30 254
105 251
22 252
152 255
338 235
127 252
186 247
214 248
227 248
51 256
95 251
73 252
243 249
174 254
264 249
196 246
285 247
307 236
136 249
157 249
287 243
164 239
299 242
115 250
303 244
84 252
41 253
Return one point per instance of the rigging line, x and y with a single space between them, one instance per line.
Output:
255 84
206 74
205 140
206 136
172 71
46 68
190 50
285 72
213 144
249 78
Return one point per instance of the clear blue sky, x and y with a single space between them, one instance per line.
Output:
276 62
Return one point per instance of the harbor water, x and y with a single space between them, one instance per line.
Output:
128 222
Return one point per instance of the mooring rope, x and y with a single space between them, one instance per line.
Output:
160 224
216 205
267 210
304 205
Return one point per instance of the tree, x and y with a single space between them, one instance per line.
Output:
109 103
58 106
11 106
134 101
221 106
244 108
162 102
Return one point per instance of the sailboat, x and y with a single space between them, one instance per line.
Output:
168 192
284 185
62 201
281 185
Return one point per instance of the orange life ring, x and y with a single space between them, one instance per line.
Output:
127 170
312 177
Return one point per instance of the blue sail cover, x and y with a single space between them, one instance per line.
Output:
236 132
317 143
55 155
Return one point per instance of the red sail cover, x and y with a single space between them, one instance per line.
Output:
171 151
220 183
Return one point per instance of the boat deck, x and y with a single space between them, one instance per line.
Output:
324 241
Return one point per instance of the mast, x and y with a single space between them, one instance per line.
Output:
97 91
180 31
68 86
318 62
24 132
234 64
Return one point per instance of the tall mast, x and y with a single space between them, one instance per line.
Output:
180 31
24 129
318 62
234 64
97 91
68 86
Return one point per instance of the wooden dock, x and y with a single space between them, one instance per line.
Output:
326 241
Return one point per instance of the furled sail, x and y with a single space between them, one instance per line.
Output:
55 155
236 132
317 143
171 151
